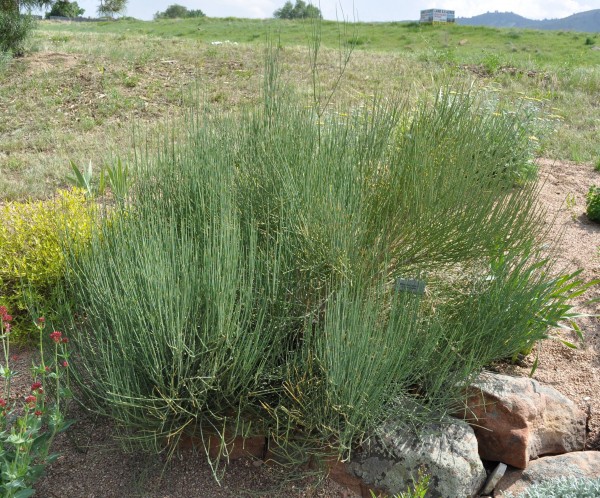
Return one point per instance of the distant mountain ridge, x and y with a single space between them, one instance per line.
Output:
588 21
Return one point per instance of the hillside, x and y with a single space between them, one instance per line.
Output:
588 21
496 20
89 80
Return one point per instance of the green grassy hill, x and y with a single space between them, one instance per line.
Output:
528 48
82 87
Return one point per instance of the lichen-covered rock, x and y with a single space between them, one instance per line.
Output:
581 464
517 419
447 452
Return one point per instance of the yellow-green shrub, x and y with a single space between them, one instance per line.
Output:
32 238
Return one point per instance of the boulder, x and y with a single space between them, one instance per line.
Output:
447 452
517 419
581 464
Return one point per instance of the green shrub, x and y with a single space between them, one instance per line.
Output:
248 283
592 202
177 11
65 8
566 487
32 236
14 30
491 63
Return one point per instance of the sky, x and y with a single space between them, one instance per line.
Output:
360 10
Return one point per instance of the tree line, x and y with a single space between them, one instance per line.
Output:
15 27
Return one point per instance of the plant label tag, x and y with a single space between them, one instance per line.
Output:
410 285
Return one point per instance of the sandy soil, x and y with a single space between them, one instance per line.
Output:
573 372
93 465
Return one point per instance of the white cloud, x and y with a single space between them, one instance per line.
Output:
242 8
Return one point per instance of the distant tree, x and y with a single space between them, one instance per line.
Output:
111 7
300 10
64 8
15 6
196 13
15 27
177 11
284 12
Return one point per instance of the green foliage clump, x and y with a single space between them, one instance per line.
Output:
111 7
566 487
32 237
592 202
177 11
14 31
248 280
64 8
419 488
299 10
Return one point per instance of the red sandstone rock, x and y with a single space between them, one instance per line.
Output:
517 419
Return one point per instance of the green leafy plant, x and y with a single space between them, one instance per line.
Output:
28 426
593 203
571 203
83 179
419 487
116 177
491 63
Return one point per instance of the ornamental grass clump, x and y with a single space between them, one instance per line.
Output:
249 281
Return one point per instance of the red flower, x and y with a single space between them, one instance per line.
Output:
14 357
41 319
38 413
31 400
64 340
65 363
2 403
56 336
35 386
7 318
3 310
7 327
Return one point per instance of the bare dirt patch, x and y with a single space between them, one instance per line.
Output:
94 465
573 372
42 62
